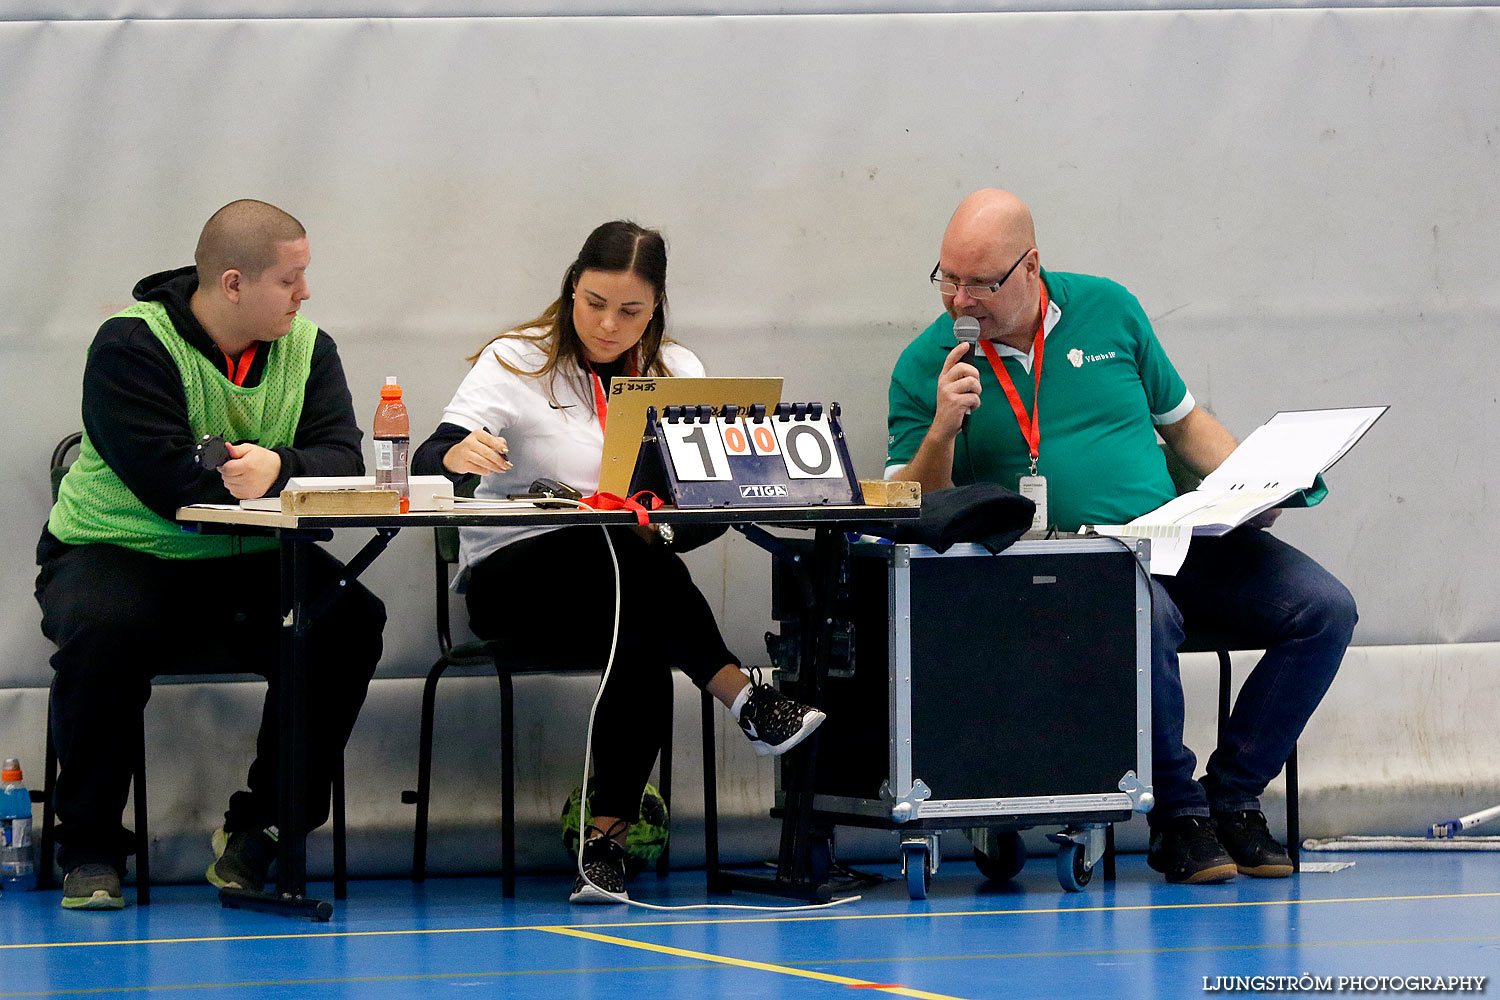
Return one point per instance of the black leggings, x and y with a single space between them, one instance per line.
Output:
120 617
551 598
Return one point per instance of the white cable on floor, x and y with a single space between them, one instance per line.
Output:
1364 843
583 799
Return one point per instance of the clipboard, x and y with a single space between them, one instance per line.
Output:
630 396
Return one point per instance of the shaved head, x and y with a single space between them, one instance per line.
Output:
243 236
991 242
994 218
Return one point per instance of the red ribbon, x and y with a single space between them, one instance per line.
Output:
609 501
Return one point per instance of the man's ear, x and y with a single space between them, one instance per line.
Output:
229 283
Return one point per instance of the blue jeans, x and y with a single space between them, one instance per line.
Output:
1254 584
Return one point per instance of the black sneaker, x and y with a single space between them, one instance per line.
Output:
1186 850
242 859
775 723
1249 842
604 864
92 887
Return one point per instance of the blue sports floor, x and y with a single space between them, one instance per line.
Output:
1405 915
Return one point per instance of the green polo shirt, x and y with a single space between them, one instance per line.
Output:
1106 384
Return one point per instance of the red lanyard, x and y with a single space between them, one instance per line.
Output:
238 370
1031 427
601 406
641 507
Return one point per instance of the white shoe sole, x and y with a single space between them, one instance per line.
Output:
812 720
587 895
100 900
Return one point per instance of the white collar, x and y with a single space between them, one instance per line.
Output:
1054 315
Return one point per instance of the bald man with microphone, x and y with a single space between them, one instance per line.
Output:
1063 401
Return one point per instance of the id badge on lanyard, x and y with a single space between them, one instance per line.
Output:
1034 488
1032 485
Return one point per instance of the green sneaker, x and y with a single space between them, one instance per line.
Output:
242 858
92 887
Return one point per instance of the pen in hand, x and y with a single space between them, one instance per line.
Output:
479 453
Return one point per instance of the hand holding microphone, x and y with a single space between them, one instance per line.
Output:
966 331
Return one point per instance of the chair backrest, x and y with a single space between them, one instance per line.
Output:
58 466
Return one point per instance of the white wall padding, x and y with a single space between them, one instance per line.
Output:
1303 200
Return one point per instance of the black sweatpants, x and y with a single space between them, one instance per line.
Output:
120 617
551 598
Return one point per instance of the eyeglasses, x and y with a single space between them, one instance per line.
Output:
976 291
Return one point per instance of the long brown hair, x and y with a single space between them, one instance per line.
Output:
615 247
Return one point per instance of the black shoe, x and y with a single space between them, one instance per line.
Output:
604 864
1255 852
92 887
1186 850
775 723
242 859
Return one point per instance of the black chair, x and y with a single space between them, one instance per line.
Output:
487 656
57 468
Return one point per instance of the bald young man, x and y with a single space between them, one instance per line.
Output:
1084 346
218 348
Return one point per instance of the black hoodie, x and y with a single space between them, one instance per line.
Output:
135 410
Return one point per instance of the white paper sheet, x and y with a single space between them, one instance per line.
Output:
1169 543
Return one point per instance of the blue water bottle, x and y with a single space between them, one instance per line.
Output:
17 854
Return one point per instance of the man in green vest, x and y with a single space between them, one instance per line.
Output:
217 349
1066 392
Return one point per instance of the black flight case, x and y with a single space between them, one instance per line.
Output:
979 692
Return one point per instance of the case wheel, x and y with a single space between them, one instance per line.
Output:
1073 872
914 864
1006 857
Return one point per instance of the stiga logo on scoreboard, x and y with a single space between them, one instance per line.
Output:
754 490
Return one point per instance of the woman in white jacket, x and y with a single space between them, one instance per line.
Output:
534 406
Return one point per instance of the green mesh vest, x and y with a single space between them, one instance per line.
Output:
93 505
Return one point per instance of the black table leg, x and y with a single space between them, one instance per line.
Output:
802 861
290 897
299 611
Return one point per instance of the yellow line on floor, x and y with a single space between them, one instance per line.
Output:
826 977
267 937
680 967
1051 911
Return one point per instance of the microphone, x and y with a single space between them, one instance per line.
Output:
966 331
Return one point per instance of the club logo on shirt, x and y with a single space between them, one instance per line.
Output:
1077 357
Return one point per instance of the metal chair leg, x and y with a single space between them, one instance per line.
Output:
664 785
1293 819
48 847
1224 682
710 796
424 772
507 786
340 830
142 834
